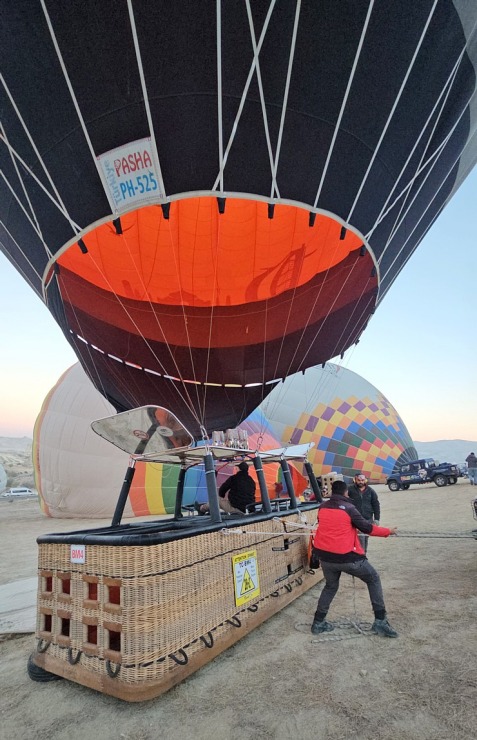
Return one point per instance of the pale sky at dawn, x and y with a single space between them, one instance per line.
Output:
419 349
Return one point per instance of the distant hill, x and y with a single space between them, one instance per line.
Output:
15 445
16 462
446 450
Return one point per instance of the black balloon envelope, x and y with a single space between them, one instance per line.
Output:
210 196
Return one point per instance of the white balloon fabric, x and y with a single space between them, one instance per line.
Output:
77 473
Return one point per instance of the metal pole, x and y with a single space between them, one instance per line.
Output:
289 482
212 492
257 464
124 493
313 482
180 494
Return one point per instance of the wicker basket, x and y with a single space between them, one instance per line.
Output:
133 620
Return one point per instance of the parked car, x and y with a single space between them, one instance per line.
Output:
421 471
22 491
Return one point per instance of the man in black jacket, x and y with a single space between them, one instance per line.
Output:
366 501
238 491
235 494
471 461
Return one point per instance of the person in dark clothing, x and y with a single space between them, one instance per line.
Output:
366 501
471 461
338 547
236 493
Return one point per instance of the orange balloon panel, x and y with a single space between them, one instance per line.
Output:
235 300
199 257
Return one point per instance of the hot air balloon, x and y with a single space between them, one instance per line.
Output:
354 426
78 475
210 197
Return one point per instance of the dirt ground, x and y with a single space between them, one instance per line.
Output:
280 682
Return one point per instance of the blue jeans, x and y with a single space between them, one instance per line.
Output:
472 472
362 570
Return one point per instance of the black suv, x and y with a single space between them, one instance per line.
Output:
422 471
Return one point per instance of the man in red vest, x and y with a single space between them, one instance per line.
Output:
339 549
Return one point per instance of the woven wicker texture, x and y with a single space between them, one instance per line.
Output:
142 611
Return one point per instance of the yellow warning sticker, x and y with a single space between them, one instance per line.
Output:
246 583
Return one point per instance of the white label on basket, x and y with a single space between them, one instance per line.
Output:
78 554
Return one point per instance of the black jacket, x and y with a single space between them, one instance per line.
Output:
367 502
242 490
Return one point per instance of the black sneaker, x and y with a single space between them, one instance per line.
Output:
318 627
383 628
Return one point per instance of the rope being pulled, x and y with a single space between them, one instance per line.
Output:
399 533
308 528
438 535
